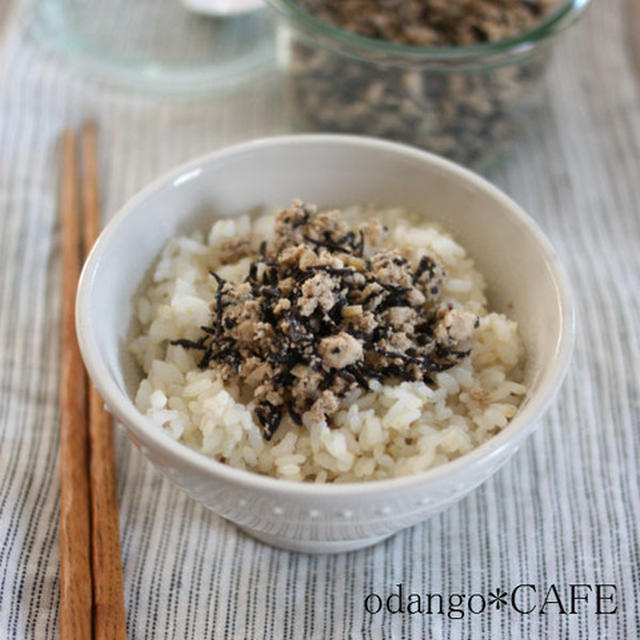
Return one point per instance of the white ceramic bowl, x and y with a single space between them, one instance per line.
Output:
522 271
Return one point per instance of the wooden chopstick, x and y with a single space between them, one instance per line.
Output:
75 563
91 583
109 621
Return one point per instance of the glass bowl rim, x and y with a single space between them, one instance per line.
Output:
108 67
563 16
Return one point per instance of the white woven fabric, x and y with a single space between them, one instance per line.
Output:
565 510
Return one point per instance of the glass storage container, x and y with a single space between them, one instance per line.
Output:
466 102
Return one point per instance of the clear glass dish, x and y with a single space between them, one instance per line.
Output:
466 103
152 45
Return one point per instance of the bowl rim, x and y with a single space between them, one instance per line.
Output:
150 436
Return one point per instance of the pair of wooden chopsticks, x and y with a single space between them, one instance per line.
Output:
91 585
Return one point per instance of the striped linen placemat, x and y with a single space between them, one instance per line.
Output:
564 511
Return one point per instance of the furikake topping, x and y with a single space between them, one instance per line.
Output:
432 22
325 309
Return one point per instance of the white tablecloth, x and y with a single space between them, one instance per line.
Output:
565 510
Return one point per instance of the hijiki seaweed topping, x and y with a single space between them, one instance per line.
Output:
323 310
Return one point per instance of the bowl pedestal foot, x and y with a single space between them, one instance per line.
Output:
314 546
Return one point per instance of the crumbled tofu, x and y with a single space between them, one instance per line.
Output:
340 351
455 326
